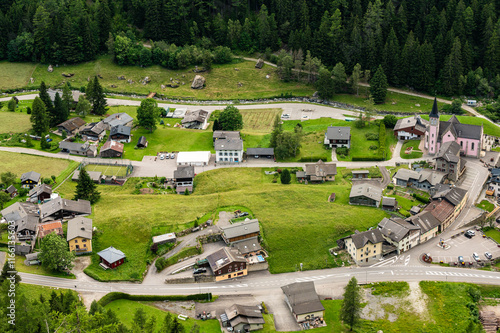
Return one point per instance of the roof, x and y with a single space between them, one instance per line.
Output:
184 171
425 220
68 145
321 169
248 245
226 135
395 229
360 239
495 172
434 113
79 227
241 228
459 130
142 141
112 145
260 151
54 206
11 189
453 195
51 226
111 254
39 189
223 257
338 133
302 297
366 190
198 115
406 174
246 314
32 256
441 209
415 210
388 201
94 175
94 128
72 124
18 210
416 121
164 237
449 151
433 177
360 172
27 222
193 157
228 144
32 175
120 130
116 119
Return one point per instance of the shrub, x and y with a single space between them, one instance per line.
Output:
373 147
312 158
420 198
367 158
390 186
371 136
285 177
343 151
113 296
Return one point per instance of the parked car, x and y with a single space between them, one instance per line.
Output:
475 256
200 270
172 156
167 156
461 260
244 214
162 157
470 233
488 255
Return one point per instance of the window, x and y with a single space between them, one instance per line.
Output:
76 240
472 146
229 269
84 240
461 144
432 136
220 153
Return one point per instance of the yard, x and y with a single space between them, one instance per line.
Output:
21 163
486 205
259 121
492 233
38 269
415 153
14 122
304 218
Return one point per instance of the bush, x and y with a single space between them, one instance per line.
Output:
381 139
343 151
420 198
285 177
371 136
373 147
113 296
312 158
390 186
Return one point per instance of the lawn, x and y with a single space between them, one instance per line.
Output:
16 75
14 122
21 163
486 205
259 121
108 170
221 82
38 269
304 218
416 153
492 233
488 127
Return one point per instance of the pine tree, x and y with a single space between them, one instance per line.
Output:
285 177
86 189
96 97
355 77
59 115
44 96
39 117
351 305
378 86
277 131
391 58
67 97
103 18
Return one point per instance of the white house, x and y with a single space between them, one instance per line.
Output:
338 136
194 158
228 150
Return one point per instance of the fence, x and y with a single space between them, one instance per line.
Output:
110 163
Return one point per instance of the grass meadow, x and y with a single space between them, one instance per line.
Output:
15 75
21 163
416 153
289 214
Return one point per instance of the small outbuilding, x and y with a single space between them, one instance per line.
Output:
303 301
142 142
194 158
112 149
165 238
360 174
389 203
11 191
260 152
111 257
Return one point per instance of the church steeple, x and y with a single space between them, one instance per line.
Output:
434 113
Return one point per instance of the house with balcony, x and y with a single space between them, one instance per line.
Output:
365 247
448 160
79 235
338 136
183 179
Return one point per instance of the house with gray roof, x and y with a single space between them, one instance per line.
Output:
228 150
365 195
64 208
243 318
25 217
227 263
423 179
222 135
303 301
76 148
428 224
94 131
120 133
338 136
79 235
72 126
11 191
399 233
30 179
116 119
40 193
410 128
195 119
111 257
241 231
318 172
365 247
389 203
183 179
448 160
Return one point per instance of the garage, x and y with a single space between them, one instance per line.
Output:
255 153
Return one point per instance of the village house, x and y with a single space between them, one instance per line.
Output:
75 148
493 183
243 318
318 172
227 263
40 193
116 119
93 131
47 228
303 301
224 135
447 205
228 150
112 149
243 236
64 208
71 126
120 133
336 137
30 179
422 179
399 233
468 137
365 246
365 195
389 203
428 224
111 258
183 179
448 160
410 128
195 119
79 235
11 191
25 217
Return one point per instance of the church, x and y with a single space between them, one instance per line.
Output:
469 137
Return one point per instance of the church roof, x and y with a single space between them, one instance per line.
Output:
434 113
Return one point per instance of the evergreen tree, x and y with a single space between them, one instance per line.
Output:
44 96
378 86
103 18
55 254
59 115
230 119
277 131
285 177
148 114
96 98
391 58
8 270
86 189
139 318
67 97
355 77
11 106
39 117
351 305
339 78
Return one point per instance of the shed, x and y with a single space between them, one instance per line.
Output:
194 158
111 257
414 210
389 203
142 142
260 152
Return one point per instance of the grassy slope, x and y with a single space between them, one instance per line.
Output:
415 152
221 82
15 75
33 292
303 218
14 122
21 163
125 309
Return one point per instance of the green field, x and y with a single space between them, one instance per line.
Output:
492 233
14 122
21 163
38 269
108 170
259 121
303 213
416 153
16 75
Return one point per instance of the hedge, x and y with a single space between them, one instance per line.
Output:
367 158
311 158
382 139
420 198
113 296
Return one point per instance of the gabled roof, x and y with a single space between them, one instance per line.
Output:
302 297
44 227
395 229
433 177
360 239
338 133
441 209
79 227
321 169
142 141
198 115
39 189
248 245
58 204
226 135
406 174
388 201
120 130
11 189
112 145
453 195
449 151
32 175
228 144
425 220
185 171
366 190
94 128
111 254
72 124
435 112
116 119
238 314
223 257
18 210
27 222
260 151
94 175
416 121
83 147
241 228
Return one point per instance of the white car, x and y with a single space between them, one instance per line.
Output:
172 156
162 157
475 256
488 255
471 232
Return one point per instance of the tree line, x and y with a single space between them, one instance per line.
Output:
448 47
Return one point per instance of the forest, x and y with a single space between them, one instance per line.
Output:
446 47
